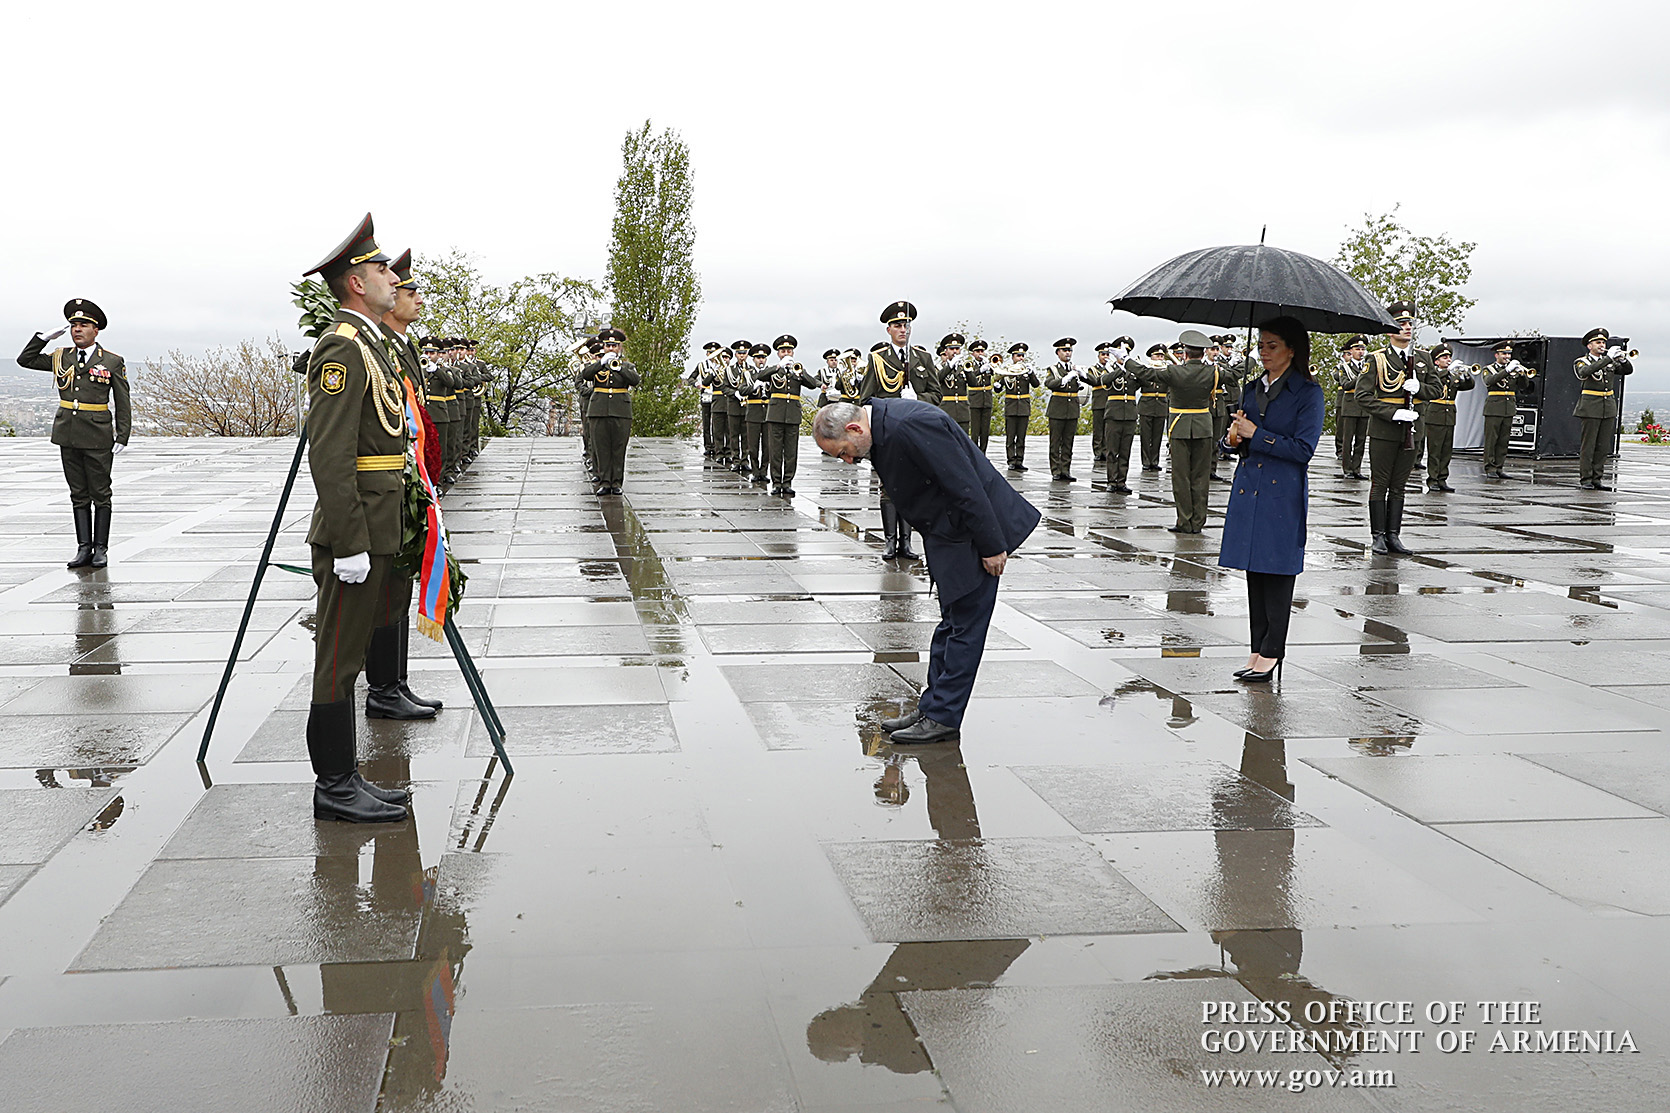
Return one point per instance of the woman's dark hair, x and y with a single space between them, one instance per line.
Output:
1293 334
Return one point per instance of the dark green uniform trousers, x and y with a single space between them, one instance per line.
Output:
345 615
707 428
783 450
608 437
980 425
87 471
1597 444
721 434
1350 433
1061 445
443 437
1389 467
1098 435
1191 479
1496 430
1152 430
1116 442
1440 446
1014 439
754 448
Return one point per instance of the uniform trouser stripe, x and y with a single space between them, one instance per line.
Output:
345 615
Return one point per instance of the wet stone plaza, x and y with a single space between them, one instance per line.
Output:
710 884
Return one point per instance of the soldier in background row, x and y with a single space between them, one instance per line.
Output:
612 378
1062 410
1152 410
1597 405
953 381
1189 428
1440 418
782 416
1393 379
1502 384
979 378
758 397
702 378
1350 419
1017 380
1118 378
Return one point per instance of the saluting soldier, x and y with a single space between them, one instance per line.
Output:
753 414
1118 380
1189 389
978 377
389 692
1064 383
898 369
1440 417
612 378
1597 406
782 416
1392 379
953 381
1016 381
1153 409
1350 419
92 382
357 442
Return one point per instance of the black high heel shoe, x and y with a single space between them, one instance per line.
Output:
1274 671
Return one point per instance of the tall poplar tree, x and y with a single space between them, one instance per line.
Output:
651 278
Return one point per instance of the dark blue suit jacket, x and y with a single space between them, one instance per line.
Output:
947 490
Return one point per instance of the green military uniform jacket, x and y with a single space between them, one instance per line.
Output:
1345 390
847 385
1064 404
411 364
1153 402
1599 376
1017 389
953 398
611 388
885 376
1119 384
1380 400
1502 387
93 405
1440 408
1189 389
978 376
357 437
786 404
442 390
757 397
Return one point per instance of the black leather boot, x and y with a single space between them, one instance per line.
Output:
83 537
905 551
101 537
890 530
383 698
1394 526
339 792
405 688
1377 524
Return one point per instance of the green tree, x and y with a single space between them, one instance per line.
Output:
651 277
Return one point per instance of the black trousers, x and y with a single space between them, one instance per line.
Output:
954 654
1269 607
1350 432
980 425
707 428
1014 438
87 471
1152 430
1389 467
1597 444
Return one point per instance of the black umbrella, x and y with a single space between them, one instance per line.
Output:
1244 284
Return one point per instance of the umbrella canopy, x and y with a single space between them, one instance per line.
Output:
1244 284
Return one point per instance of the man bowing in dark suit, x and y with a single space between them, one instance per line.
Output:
970 519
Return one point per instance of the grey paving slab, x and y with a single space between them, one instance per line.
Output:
1015 679
812 638
1370 671
324 1064
1458 788
1184 796
1597 663
34 823
580 729
570 685
266 616
1616 863
565 641
96 695
1641 777
275 821
12 878
825 724
859 682
894 637
1136 633
282 736
78 740
989 889
1292 711
1133 1048
262 911
892 608
797 612
1518 710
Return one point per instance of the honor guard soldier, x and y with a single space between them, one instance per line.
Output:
483 375
1117 377
357 443
850 379
782 416
737 383
979 379
612 379
1350 419
827 377
898 369
437 388
1064 383
1502 384
465 405
1440 417
1597 406
702 376
753 414
585 351
1099 398
1392 380
389 692
1190 386
92 424
1152 409
953 381
1016 381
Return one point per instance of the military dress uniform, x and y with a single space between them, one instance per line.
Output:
1119 381
892 369
1597 408
94 416
703 377
612 380
1439 418
953 382
1502 384
1382 390
754 405
978 378
1190 386
1062 410
738 382
1017 382
1350 419
1153 410
782 424
439 391
583 389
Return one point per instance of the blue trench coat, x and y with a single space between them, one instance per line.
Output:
1264 525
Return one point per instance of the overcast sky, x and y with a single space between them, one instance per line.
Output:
1009 164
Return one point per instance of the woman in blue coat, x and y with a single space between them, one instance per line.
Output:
1275 434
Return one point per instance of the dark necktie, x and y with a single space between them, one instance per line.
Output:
81 358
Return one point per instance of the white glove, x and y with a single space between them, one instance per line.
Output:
116 449
1611 353
54 335
1405 415
352 569
1411 385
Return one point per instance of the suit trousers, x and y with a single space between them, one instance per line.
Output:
1061 444
1014 438
707 428
1269 607
959 642
1440 447
1350 432
345 615
609 436
980 425
87 471
783 449
1496 431
1389 465
1098 435
1597 445
1116 441
1191 479
1152 430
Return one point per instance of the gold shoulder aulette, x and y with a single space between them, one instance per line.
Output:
343 328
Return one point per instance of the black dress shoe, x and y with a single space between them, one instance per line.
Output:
788 492
1176 529
1071 478
83 556
1121 490
1021 467
388 702
908 719
906 552
413 697
386 795
1592 487
924 732
343 796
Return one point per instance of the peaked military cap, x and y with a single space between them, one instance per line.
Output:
712 346
611 336
785 341
832 353
594 346
1018 347
1156 350
1592 334
1401 311
80 309
1358 341
1194 338
429 344
851 353
1067 342
898 311
359 247
741 346
879 345
952 338
1441 350
1127 341
1104 345
1504 346
402 268
1179 346
759 350
977 345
